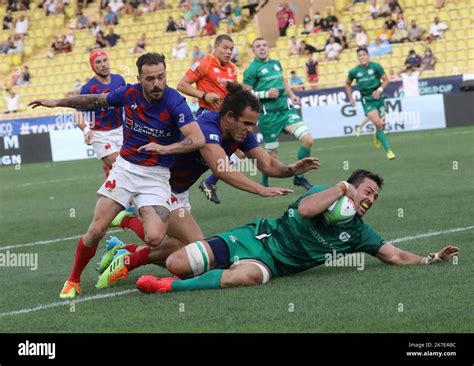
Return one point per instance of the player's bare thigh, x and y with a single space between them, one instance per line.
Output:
155 223
374 117
109 160
184 227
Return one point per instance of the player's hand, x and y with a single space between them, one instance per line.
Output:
49 103
376 94
304 165
213 99
352 193
154 148
273 93
296 100
353 102
448 252
273 191
88 137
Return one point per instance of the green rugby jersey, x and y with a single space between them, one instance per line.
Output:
297 244
263 75
367 78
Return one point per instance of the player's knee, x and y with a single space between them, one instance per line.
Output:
307 141
154 239
97 231
177 263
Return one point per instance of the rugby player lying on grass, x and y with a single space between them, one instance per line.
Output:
299 240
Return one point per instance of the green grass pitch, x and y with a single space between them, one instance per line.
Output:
430 185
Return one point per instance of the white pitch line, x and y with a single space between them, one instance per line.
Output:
125 292
432 233
65 303
44 242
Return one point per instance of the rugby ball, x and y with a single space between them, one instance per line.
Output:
341 211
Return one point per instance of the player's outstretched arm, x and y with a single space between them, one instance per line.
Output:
217 160
390 254
275 168
319 202
84 101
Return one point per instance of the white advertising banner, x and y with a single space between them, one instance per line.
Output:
403 114
69 145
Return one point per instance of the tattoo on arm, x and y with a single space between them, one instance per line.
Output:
163 213
187 141
86 101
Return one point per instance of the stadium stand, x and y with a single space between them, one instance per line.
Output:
54 77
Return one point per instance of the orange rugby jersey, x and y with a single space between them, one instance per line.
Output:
210 76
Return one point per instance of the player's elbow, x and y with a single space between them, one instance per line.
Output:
182 86
305 211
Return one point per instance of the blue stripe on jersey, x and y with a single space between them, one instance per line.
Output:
146 122
189 167
111 118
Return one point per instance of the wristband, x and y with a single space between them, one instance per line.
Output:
380 89
86 130
431 258
343 186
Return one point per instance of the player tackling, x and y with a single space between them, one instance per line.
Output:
155 116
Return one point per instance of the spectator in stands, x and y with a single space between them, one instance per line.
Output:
353 28
237 14
312 69
293 47
285 18
392 76
395 7
202 19
4 47
209 28
230 24
111 18
8 22
49 7
215 18
361 38
342 40
116 6
179 51
95 29
82 21
100 41
307 25
64 45
330 19
112 38
390 22
12 101
400 35
413 59
410 79
384 34
436 30
415 33
429 61
181 24
385 9
70 37
296 84
192 27
21 25
197 54
140 46
319 23
133 7
374 9
333 49
306 49
171 26
379 48
18 45
25 76
401 21
336 27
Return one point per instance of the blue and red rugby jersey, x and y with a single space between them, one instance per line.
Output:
111 118
147 122
190 166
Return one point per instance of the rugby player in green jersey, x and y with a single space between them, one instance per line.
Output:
300 239
265 77
368 75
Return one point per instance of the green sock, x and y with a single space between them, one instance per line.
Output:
208 280
264 181
383 139
303 153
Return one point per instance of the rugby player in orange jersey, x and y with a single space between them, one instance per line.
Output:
211 75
